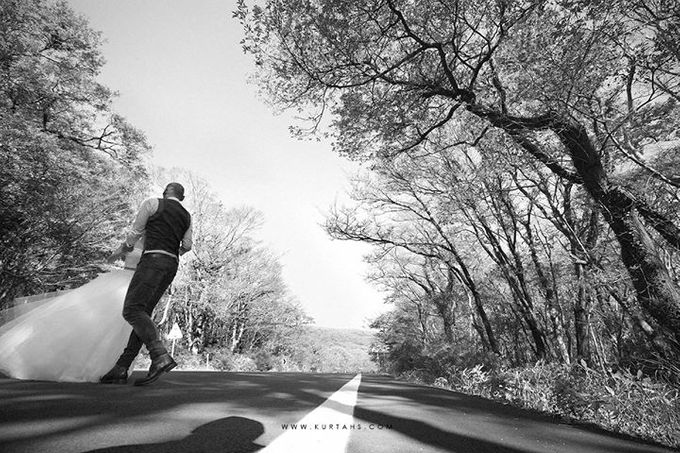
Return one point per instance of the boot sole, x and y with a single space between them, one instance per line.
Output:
151 379
114 381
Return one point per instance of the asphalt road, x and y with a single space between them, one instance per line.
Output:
202 412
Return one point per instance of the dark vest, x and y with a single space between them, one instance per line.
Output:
165 229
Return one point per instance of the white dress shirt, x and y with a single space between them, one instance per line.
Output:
146 210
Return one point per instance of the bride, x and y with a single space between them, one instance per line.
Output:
73 337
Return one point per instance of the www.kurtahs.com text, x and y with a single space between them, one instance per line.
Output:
334 427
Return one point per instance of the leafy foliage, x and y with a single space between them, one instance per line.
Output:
68 164
567 84
229 293
620 401
522 193
313 350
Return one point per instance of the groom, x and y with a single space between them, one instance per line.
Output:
166 226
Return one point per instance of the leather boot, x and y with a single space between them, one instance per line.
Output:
116 375
159 365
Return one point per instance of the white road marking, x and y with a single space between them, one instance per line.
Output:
326 428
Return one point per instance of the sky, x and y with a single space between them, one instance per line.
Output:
182 78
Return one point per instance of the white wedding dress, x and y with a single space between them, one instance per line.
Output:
76 336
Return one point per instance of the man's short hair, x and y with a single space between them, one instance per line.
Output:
176 188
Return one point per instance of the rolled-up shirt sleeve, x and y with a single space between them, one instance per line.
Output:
146 210
187 240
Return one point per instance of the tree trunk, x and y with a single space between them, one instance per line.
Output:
488 330
443 305
655 288
236 336
475 324
520 293
582 318
443 301
469 283
554 312
582 304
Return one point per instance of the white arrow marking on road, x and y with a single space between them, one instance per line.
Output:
327 428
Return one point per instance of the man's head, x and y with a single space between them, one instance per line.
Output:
174 189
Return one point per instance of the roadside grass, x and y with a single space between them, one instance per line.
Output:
618 401
315 350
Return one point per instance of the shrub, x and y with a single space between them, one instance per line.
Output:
619 401
418 376
226 361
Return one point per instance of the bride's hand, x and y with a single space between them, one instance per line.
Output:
115 256
118 254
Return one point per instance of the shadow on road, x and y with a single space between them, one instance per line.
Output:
506 429
226 435
41 412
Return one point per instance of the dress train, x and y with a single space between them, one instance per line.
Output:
74 337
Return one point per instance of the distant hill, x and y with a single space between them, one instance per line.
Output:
332 350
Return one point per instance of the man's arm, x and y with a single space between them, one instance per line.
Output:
187 241
146 210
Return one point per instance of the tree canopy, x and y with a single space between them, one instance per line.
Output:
69 165
587 90
229 294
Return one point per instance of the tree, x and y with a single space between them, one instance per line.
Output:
406 214
578 86
229 293
422 284
508 237
68 164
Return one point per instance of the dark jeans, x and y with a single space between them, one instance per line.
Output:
154 274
